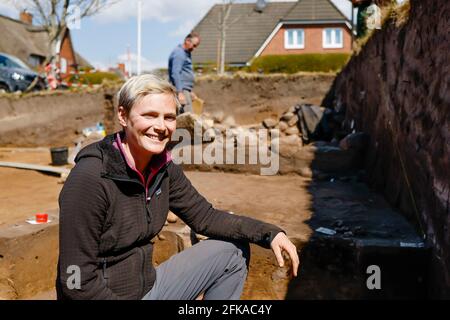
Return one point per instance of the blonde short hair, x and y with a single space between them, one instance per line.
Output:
138 87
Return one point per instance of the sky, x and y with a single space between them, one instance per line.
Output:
105 39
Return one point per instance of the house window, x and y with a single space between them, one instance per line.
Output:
63 65
332 38
294 39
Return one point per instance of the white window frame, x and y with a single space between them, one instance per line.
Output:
333 44
295 33
63 65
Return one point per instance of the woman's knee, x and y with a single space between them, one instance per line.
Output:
239 251
243 249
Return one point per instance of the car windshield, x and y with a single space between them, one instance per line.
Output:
12 62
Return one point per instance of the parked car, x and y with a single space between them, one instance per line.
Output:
15 75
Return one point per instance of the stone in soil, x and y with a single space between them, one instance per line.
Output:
283 126
172 217
293 121
270 123
292 131
287 116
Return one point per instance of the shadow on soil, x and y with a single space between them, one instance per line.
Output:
368 235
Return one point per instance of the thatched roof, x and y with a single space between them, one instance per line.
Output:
23 40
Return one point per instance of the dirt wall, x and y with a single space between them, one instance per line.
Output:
397 90
252 98
52 119
57 119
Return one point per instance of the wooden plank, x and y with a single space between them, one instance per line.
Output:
36 167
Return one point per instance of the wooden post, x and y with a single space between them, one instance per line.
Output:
218 55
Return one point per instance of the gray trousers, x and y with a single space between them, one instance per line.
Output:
188 106
216 268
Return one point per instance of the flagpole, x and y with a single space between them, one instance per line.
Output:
139 38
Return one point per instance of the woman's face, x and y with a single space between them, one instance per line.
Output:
150 123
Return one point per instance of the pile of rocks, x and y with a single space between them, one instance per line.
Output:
197 126
213 126
221 121
291 139
287 124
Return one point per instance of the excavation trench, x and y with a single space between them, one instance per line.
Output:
331 266
317 186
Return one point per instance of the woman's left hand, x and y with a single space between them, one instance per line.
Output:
280 243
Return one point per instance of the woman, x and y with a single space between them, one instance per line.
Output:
116 199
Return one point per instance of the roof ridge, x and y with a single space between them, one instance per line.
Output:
292 8
314 3
12 19
29 28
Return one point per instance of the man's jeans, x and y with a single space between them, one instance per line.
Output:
213 267
188 106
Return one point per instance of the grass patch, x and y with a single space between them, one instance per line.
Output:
400 13
94 78
211 68
241 75
290 64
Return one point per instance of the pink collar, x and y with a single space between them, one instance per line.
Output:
156 163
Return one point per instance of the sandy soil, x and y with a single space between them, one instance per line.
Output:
288 201
24 193
283 200
252 98
296 204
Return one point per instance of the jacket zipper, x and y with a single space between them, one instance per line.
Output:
155 185
150 194
159 177
142 254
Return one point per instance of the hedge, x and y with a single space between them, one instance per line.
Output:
94 78
211 68
310 62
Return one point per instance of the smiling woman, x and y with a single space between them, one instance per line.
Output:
116 199
147 114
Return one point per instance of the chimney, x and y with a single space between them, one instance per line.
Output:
121 67
26 17
260 6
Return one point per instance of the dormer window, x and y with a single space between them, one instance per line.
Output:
332 38
294 39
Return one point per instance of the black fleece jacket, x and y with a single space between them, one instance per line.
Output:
107 222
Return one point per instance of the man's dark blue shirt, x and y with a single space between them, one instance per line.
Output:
181 73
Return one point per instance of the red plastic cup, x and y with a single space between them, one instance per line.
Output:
41 217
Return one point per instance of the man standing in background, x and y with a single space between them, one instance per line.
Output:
181 72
